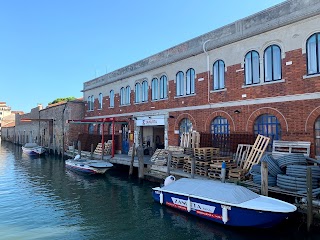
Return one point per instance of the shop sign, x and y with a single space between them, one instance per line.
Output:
150 122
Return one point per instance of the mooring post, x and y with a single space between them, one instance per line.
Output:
169 162
309 199
73 150
132 159
141 162
79 148
223 172
193 167
264 178
91 153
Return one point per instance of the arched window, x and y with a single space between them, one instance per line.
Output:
313 54
190 81
89 103
220 125
92 103
145 91
100 100
127 97
317 136
112 98
185 126
272 63
154 89
163 87
122 96
137 92
180 83
269 126
252 68
218 75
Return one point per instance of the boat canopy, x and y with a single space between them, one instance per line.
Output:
210 190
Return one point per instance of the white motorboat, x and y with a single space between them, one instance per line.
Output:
33 149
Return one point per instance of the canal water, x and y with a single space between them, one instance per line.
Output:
40 199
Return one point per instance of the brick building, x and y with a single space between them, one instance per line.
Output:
260 74
48 126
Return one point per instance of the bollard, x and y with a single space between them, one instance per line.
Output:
309 199
79 148
169 162
141 162
193 167
264 178
132 159
223 172
91 153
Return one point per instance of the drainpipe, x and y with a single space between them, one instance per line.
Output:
208 67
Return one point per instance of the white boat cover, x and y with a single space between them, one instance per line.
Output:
31 145
210 190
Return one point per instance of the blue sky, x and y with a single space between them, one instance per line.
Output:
49 48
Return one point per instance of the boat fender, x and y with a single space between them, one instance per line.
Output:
188 205
161 197
77 157
224 214
170 179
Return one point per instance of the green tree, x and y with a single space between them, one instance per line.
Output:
62 100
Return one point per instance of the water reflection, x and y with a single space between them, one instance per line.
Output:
40 199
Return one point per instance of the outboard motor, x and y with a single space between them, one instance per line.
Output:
170 179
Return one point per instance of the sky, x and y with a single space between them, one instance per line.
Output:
49 48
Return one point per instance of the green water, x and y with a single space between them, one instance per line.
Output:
40 199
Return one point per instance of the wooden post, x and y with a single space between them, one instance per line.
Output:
309 199
91 153
132 159
73 150
169 162
264 178
141 162
193 166
223 171
79 148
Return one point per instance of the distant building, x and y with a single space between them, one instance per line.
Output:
4 111
258 75
48 127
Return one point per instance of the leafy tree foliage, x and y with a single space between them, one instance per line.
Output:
61 100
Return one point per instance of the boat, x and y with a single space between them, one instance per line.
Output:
33 149
224 203
88 166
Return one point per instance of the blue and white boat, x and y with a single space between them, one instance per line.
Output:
88 166
224 203
33 149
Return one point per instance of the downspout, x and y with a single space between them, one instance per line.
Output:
208 67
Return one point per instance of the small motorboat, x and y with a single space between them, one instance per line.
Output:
33 149
88 166
224 203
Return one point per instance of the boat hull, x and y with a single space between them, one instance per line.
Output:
34 151
85 167
219 212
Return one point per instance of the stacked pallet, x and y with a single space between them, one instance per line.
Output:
176 149
190 140
214 170
203 158
160 157
107 148
187 165
178 160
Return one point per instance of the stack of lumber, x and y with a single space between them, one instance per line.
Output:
203 158
160 157
107 148
176 149
214 170
178 160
